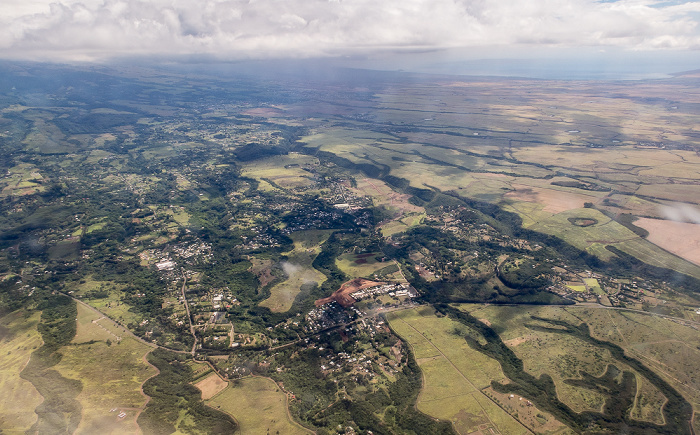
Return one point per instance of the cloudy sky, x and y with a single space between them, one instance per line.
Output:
95 30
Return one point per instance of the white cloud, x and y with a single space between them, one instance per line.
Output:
94 29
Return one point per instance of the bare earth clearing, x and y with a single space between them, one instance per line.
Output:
681 238
211 386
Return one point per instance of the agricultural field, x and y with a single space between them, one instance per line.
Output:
453 185
111 366
298 268
455 375
111 304
667 347
680 238
670 348
23 179
211 385
18 339
258 405
285 171
540 161
363 265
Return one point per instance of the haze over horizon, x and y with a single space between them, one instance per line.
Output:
428 36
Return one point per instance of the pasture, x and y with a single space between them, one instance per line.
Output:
680 238
668 348
111 305
18 339
361 265
298 268
454 373
284 170
23 179
211 385
258 405
111 366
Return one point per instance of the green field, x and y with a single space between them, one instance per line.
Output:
457 378
368 264
453 160
284 170
668 348
593 286
112 305
299 269
111 366
454 374
258 405
18 339
400 225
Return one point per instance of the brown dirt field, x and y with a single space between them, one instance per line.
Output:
554 201
485 322
680 238
211 386
360 261
515 341
262 269
342 295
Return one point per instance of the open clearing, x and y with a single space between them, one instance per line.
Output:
18 339
361 265
259 406
299 269
211 386
285 170
454 374
681 238
383 195
111 371
667 347
554 201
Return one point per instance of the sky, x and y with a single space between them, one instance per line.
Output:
367 30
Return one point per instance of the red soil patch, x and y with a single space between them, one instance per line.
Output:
364 255
360 261
342 295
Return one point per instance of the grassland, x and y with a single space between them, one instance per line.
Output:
670 349
111 305
540 161
18 339
404 215
680 238
258 405
454 374
299 269
284 171
361 265
23 179
211 385
112 368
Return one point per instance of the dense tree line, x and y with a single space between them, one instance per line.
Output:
171 394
